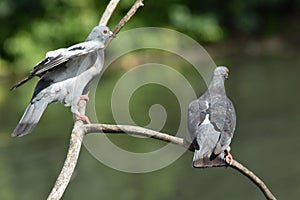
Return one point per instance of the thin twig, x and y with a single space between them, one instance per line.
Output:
257 181
126 18
108 12
134 130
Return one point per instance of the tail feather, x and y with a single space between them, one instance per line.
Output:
30 118
201 161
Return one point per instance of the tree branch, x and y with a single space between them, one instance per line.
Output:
108 12
128 16
134 130
71 159
78 132
257 181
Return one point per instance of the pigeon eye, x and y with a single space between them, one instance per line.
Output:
105 31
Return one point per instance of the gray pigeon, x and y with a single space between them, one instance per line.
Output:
64 77
211 123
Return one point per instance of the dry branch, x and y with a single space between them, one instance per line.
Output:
80 130
128 16
134 130
110 8
71 158
257 181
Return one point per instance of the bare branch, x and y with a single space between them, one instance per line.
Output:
71 159
128 16
78 130
108 12
257 181
134 130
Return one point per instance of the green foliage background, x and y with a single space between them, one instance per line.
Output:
258 40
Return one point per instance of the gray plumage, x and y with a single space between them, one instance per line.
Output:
64 76
211 122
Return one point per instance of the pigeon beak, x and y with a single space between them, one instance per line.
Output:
227 75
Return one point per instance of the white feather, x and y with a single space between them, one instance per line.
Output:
206 120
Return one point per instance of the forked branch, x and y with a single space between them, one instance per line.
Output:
77 134
80 130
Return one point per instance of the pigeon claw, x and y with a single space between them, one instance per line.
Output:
228 157
83 118
84 97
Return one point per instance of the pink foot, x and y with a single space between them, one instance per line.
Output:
228 157
83 118
84 97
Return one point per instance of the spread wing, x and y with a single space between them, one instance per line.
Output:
56 58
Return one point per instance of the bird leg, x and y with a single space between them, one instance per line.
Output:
79 116
83 118
84 97
228 157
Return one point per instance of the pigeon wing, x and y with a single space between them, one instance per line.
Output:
196 115
228 128
60 56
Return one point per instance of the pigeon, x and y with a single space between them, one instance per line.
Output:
211 123
64 77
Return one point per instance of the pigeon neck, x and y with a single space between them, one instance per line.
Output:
216 85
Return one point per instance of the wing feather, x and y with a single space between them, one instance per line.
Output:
196 115
57 57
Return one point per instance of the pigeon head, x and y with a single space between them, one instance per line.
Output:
222 71
101 33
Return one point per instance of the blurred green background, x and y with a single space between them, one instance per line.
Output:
258 40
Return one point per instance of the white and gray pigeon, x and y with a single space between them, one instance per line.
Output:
64 77
211 123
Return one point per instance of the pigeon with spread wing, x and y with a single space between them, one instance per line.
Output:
64 77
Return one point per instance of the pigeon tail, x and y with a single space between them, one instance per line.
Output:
30 118
201 161
213 156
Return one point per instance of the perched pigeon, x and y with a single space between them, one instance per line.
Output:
64 77
211 123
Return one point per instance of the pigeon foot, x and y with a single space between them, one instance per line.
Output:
228 157
83 118
84 97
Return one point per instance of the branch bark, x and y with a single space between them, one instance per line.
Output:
110 8
134 130
71 159
80 130
257 181
128 16
78 133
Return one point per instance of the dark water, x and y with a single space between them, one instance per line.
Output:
265 91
